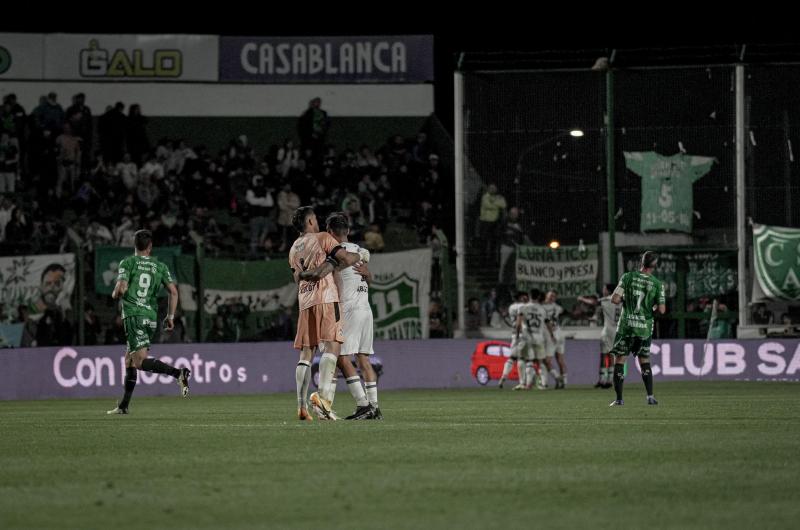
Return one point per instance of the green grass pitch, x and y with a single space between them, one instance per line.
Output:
711 455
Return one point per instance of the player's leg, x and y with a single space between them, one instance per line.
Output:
521 358
530 374
550 353
530 370
507 367
551 367
562 368
363 408
302 379
302 372
131 373
370 382
623 345
608 359
149 364
364 350
331 339
619 378
131 376
511 361
603 369
146 328
647 371
538 361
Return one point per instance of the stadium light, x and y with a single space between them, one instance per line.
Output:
575 133
554 244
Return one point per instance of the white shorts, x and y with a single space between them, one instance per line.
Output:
357 329
552 347
607 341
520 346
537 352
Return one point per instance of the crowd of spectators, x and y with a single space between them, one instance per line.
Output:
105 178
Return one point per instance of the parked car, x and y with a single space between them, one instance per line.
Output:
374 360
488 360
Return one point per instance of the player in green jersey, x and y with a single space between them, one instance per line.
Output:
640 294
139 279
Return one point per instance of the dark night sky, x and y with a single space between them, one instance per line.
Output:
490 27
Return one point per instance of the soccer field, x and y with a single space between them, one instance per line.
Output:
712 455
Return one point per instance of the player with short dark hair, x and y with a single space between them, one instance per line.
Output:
352 283
139 279
319 323
640 294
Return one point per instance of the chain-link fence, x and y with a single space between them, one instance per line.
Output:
537 174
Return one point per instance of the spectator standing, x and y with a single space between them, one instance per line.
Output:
288 202
136 133
492 207
79 116
312 127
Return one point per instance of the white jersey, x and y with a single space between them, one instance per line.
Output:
534 315
611 314
553 311
353 289
515 310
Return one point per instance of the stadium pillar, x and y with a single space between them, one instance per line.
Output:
741 220
201 293
81 294
610 176
458 115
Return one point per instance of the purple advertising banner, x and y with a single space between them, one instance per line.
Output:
374 59
254 368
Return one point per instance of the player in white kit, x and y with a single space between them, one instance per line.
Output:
535 316
611 313
554 338
352 285
519 342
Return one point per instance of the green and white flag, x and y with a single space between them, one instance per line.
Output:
251 297
570 270
667 196
776 253
400 294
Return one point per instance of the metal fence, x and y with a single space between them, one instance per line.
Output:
519 132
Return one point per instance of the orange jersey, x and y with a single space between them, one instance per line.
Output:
312 249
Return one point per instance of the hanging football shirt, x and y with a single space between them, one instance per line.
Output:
667 198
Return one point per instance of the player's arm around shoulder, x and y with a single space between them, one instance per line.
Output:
362 269
315 274
337 253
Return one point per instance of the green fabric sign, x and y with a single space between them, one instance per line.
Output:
107 260
667 196
399 294
709 274
570 270
243 300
